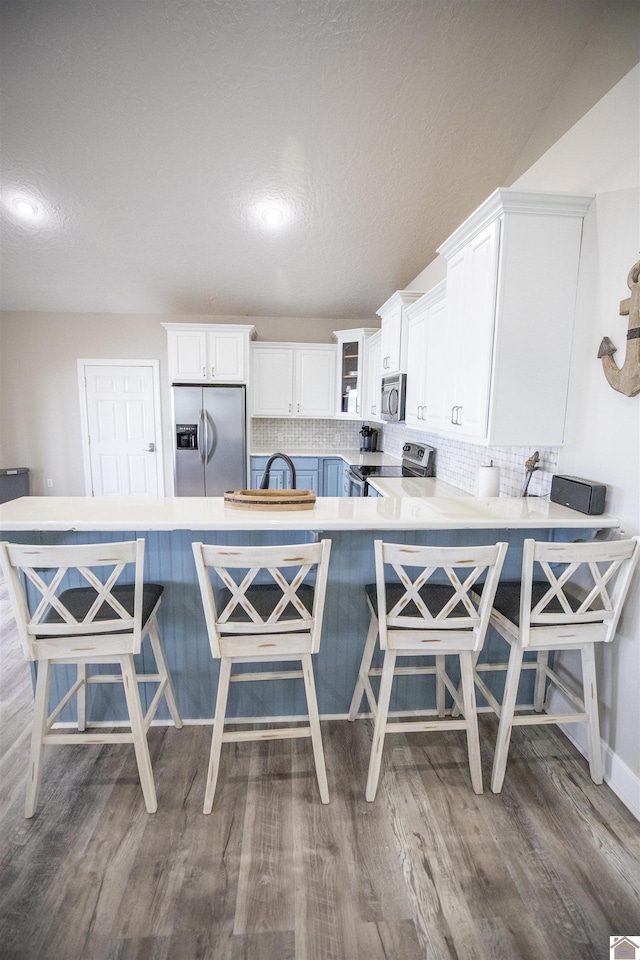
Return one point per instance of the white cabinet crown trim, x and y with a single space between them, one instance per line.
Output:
427 299
220 327
403 297
353 333
504 200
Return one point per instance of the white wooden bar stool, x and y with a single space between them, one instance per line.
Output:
103 623
432 614
257 615
569 598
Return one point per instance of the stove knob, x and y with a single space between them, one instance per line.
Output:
420 452
406 448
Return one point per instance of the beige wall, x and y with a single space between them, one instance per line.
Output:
39 396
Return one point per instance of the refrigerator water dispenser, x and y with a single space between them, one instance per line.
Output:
186 436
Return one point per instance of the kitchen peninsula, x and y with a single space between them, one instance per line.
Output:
170 525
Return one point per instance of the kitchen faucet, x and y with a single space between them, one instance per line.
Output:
530 466
264 484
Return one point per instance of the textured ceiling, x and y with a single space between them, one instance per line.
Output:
148 130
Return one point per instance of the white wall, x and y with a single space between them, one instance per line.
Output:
600 155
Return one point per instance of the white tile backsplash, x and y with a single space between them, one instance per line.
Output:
456 461
274 434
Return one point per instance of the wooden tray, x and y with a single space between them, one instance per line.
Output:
271 499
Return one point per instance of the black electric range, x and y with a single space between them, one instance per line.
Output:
418 460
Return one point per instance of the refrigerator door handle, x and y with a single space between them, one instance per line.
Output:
202 436
210 446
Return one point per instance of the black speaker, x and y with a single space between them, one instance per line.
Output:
579 494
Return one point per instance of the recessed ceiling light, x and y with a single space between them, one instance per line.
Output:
25 208
272 216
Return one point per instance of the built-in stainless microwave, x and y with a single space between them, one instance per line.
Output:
393 397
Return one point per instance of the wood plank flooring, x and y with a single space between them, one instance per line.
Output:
548 870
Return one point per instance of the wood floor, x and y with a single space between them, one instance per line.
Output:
548 870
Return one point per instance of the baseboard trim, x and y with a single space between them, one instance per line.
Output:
617 775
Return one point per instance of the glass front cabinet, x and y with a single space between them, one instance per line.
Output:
351 373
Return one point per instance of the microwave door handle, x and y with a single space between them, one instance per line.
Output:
211 441
201 436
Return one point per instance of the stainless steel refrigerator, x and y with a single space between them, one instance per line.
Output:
210 449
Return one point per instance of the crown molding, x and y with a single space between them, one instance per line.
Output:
505 201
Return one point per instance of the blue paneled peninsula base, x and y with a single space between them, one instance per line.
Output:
351 525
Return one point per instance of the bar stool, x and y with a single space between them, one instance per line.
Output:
570 597
103 623
257 615
418 616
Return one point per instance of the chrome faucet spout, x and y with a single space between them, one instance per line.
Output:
264 483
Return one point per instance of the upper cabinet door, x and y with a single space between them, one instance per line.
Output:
436 414
188 355
315 382
474 341
416 369
373 377
395 331
272 381
352 367
226 357
392 340
429 366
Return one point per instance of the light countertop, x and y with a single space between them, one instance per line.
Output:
328 513
415 487
349 455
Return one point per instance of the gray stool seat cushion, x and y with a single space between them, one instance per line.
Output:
78 601
265 597
507 598
434 595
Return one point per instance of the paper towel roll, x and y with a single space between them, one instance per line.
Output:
488 481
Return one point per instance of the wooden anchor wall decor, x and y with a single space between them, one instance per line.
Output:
626 379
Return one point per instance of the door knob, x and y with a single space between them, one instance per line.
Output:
151 448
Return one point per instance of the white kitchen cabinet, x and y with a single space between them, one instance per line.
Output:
351 372
426 379
372 377
394 331
208 353
471 284
512 270
293 380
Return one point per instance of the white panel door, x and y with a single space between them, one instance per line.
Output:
121 427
